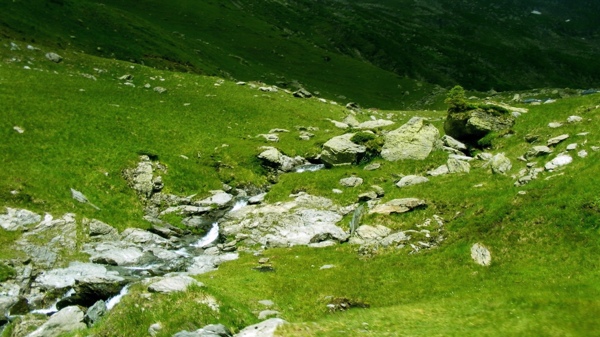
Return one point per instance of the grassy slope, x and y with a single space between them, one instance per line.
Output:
207 37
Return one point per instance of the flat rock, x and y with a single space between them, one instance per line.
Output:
557 139
441 170
411 180
17 219
351 181
538 151
453 143
66 320
500 164
263 329
173 284
559 161
398 206
369 125
574 119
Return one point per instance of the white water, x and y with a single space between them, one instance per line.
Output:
116 299
309 168
152 266
210 237
53 308
238 205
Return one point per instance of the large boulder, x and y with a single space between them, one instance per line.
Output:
341 150
413 140
471 126
67 320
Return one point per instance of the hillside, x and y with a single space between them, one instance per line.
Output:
159 178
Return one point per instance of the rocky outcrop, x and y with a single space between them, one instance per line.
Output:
17 219
172 284
471 126
304 221
263 329
67 320
413 140
341 150
142 179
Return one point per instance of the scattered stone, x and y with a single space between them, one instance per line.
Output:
554 125
95 312
173 284
574 119
413 140
572 147
160 90
411 180
126 77
305 135
212 330
559 161
367 196
154 329
441 170
82 198
266 303
583 134
268 89
327 266
370 125
378 190
273 158
558 139
351 121
532 138
458 166
302 93
398 206
54 57
453 143
372 167
351 181
267 314
537 151
18 129
263 260
500 164
257 199
582 153
270 137
337 191
481 255
263 329
470 126
278 130
341 150
461 157
522 192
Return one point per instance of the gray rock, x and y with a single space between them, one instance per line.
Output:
63 278
557 139
554 125
339 125
470 126
413 140
141 178
574 119
142 237
54 57
394 239
442 170
572 147
372 167
537 151
17 219
114 253
458 166
453 143
267 313
205 263
367 196
481 255
351 121
273 158
95 312
154 329
257 199
351 181
378 190
341 151
100 229
559 161
461 157
327 266
500 164
264 329
270 137
398 206
582 153
411 180
367 233
160 90
266 303
212 330
218 199
66 320
302 93
173 284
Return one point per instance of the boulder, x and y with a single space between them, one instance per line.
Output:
302 93
537 151
95 312
471 126
376 124
481 255
411 180
458 166
351 120
555 140
351 181
453 143
66 320
398 206
272 157
560 160
441 170
212 330
341 150
17 219
500 164
54 57
413 140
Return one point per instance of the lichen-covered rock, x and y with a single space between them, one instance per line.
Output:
481 255
341 150
16 219
272 157
500 164
67 320
471 126
413 140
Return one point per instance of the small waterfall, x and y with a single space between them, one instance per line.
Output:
53 308
116 299
239 205
309 168
210 237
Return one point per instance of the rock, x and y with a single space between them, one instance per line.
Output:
554 125
17 219
270 137
272 157
302 93
66 320
337 191
372 167
500 164
398 206
92 288
266 303
394 239
267 313
218 199
114 253
529 138
572 147
582 153
20 307
557 139
351 181
95 312
481 255
461 157
339 125
54 57
559 161
264 329
212 330
351 120
453 143
141 178
154 329
471 126
204 263
98 229
376 124
305 135
257 199
411 180
372 233
18 129
378 190
63 278
160 90
574 119
441 170
458 166
82 198
367 196
413 140
142 237
173 284
341 150
537 151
